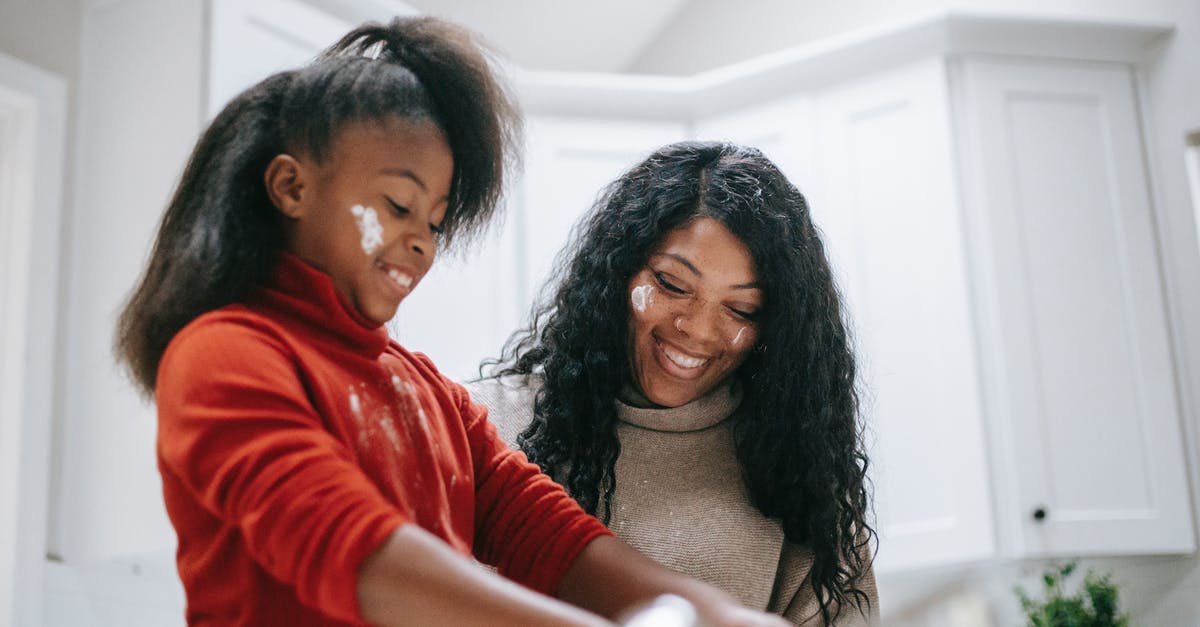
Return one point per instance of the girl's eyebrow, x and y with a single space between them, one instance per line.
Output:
405 173
753 285
410 175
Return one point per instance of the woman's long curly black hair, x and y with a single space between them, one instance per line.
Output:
798 435
220 235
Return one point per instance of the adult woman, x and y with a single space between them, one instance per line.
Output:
690 382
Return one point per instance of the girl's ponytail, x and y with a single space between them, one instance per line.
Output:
219 235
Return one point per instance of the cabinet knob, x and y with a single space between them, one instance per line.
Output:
1039 513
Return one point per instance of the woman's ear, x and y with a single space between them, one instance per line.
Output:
287 185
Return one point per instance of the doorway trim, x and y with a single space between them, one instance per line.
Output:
33 115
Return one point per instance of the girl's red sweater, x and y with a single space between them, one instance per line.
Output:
294 437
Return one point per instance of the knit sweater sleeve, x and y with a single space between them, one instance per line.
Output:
526 524
236 430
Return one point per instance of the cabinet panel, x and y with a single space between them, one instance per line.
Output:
568 162
784 130
252 39
1080 363
893 228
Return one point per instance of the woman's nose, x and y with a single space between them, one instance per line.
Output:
696 323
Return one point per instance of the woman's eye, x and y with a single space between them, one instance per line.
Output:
436 229
748 316
667 285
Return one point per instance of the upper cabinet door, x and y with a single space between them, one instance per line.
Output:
784 130
890 215
252 39
1080 378
568 163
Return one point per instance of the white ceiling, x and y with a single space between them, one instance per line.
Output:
596 36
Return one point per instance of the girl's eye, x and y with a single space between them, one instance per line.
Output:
436 229
667 285
397 208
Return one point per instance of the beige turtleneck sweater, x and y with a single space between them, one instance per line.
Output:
680 499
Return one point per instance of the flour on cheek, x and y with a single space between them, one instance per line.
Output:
640 297
737 339
367 220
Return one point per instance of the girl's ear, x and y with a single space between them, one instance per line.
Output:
287 184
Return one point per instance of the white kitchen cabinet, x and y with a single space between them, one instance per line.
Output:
568 162
989 222
887 188
252 39
874 159
784 130
1077 352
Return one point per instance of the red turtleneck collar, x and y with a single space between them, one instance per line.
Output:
302 292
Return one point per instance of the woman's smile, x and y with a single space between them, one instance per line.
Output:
678 362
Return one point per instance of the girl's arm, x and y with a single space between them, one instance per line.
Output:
416 579
610 577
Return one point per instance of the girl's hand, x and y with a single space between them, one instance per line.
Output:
738 616
671 610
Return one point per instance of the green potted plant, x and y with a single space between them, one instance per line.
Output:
1093 606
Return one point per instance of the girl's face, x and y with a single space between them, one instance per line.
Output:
692 313
367 215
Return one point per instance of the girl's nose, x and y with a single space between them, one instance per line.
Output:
421 243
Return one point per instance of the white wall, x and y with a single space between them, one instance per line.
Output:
1157 591
44 33
39 60
140 113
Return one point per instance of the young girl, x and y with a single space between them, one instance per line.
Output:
316 472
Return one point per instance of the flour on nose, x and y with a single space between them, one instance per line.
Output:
367 220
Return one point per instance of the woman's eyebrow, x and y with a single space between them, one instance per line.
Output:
753 285
684 261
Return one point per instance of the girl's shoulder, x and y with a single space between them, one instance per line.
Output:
233 339
229 327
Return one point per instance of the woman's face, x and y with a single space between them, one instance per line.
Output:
692 313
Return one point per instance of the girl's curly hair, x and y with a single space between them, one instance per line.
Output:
798 435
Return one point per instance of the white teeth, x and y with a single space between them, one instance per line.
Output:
400 278
683 361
